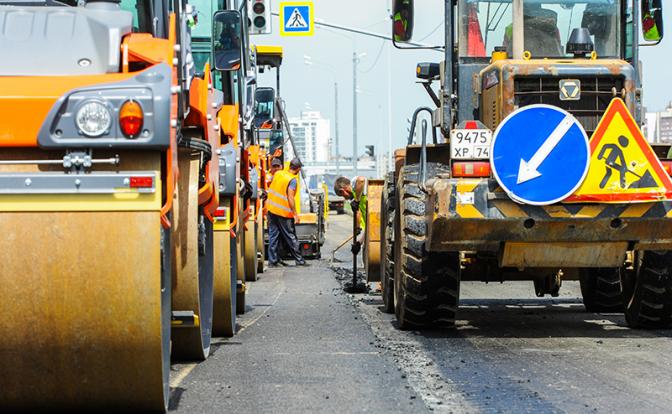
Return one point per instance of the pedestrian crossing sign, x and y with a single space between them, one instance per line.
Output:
623 167
297 18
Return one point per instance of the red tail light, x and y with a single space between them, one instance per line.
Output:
220 212
131 118
471 169
141 182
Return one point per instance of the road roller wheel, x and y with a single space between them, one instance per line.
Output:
250 240
166 310
240 274
261 253
601 289
85 305
647 290
387 244
193 262
426 284
86 312
224 307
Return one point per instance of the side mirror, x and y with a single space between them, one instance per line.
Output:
402 20
652 20
227 38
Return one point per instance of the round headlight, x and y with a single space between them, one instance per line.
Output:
93 119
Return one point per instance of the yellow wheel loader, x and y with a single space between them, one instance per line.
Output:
511 188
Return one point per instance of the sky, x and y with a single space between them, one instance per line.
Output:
331 51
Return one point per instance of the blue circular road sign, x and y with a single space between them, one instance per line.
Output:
540 155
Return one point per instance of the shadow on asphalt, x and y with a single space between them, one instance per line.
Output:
175 397
532 318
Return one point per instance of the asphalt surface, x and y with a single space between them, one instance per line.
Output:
305 346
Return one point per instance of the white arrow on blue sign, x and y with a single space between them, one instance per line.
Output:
540 155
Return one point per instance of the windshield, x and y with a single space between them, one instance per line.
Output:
264 106
484 25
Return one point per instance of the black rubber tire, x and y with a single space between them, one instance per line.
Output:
387 243
647 291
601 290
426 284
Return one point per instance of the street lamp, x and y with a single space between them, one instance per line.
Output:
355 61
308 61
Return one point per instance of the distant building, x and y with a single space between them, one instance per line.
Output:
311 136
658 126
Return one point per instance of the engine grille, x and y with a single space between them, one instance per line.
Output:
596 94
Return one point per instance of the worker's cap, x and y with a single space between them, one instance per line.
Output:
295 164
276 162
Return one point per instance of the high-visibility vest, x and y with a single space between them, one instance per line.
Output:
277 200
362 201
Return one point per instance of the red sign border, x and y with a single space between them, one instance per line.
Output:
617 106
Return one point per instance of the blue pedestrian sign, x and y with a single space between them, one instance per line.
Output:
540 155
297 18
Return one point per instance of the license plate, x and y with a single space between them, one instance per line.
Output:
470 144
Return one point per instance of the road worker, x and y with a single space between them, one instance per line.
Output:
282 215
343 187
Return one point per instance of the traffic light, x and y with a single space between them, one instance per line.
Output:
259 12
370 151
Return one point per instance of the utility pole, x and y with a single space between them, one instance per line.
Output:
355 60
390 150
337 145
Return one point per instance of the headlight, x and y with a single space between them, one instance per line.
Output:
93 119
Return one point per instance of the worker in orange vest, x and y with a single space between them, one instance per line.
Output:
282 214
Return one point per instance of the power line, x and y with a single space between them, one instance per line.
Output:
432 32
375 62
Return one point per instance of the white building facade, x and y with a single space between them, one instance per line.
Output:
658 126
311 134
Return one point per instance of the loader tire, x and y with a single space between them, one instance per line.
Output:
601 290
387 244
647 291
426 284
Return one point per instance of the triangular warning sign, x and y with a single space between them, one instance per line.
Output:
623 167
296 21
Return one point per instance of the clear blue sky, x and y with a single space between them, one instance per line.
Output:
332 53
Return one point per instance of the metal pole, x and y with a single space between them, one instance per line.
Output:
354 255
518 29
448 72
368 33
390 151
354 112
336 143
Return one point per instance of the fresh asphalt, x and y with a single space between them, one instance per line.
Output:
305 346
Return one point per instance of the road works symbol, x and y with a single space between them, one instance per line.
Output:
623 167
540 155
296 18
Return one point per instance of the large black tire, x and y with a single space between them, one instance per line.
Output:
387 243
601 290
647 290
426 284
